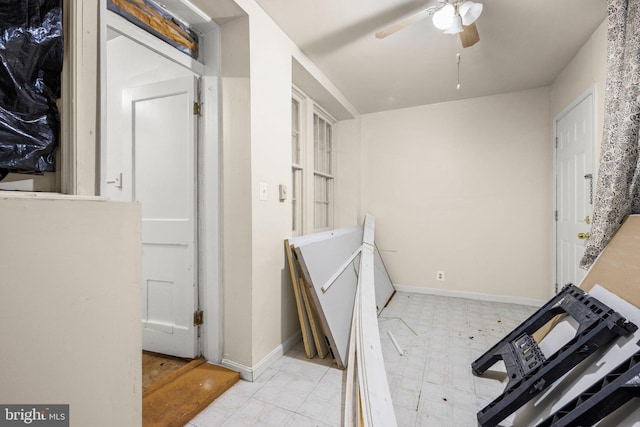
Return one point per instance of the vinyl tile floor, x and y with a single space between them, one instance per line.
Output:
431 384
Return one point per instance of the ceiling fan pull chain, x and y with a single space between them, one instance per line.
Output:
458 86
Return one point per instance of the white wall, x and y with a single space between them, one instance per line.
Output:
257 60
70 307
348 188
237 257
274 315
464 187
444 203
472 200
587 69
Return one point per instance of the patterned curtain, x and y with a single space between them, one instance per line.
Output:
618 188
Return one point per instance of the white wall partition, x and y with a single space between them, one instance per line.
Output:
258 61
463 188
70 307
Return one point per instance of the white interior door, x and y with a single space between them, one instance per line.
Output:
574 189
164 133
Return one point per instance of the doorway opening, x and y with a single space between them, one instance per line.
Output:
159 147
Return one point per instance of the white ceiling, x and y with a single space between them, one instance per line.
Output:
523 44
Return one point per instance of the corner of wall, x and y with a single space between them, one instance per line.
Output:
236 192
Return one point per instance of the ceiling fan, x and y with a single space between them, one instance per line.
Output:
451 16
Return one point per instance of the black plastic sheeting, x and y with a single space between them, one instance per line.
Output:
31 52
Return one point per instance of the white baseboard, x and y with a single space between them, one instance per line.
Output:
252 373
470 295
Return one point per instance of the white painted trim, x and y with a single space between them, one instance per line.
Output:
308 108
138 35
298 179
102 100
29 195
298 93
470 295
246 373
575 102
79 107
210 198
373 387
209 163
253 373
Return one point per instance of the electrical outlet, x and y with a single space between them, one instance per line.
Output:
440 275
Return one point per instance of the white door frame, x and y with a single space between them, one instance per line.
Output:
555 287
208 180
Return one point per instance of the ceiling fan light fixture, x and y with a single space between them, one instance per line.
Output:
456 26
443 18
470 11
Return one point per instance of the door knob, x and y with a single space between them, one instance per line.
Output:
584 235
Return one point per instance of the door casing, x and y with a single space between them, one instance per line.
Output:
588 94
208 179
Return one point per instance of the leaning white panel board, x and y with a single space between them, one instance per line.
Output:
317 237
303 316
320 260
384 286
321 255
587 373
377 406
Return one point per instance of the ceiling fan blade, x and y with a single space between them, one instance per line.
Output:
402 24
470 35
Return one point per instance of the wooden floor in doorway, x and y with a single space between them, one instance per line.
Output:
175 390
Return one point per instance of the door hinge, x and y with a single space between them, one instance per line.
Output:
556 142
197 109
198 317
556 215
